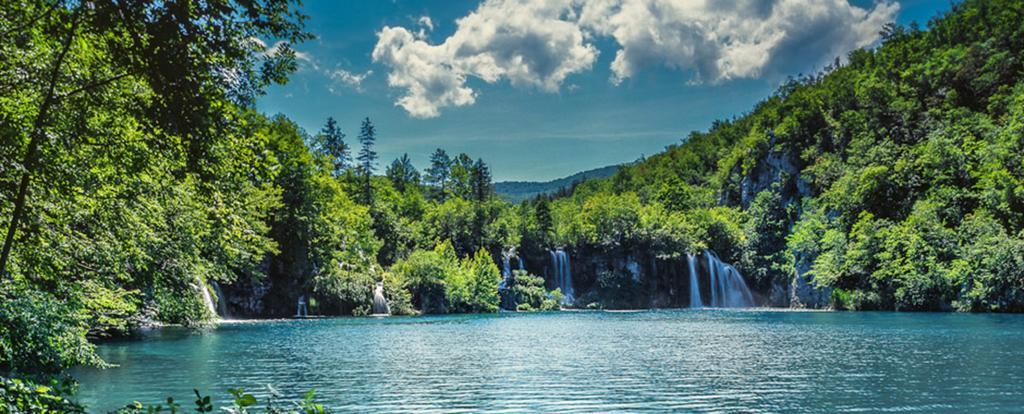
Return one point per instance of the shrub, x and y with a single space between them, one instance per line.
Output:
24 396
41 335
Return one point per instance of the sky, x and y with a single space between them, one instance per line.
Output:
542 89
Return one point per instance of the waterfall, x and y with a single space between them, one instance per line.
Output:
522 263
301 311
222 301
506 268
728 289
380 303
695 301
563 274
207 299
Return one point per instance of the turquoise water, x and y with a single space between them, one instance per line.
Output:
706 360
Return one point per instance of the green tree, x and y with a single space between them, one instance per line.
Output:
180 58
330 143
402 173
439 174
367 158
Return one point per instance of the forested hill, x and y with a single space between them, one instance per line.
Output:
516 191
894 180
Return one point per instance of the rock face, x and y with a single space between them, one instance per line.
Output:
777 165
631 278
803 292
783 166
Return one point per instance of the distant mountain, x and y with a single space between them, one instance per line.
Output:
516 191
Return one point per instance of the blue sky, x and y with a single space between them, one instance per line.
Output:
573 105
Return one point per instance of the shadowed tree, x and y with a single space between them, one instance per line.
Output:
187 60
367 158
481 181
402 173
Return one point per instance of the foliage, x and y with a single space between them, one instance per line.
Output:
866 176
440 282
41 335
241 403
22 396
530 294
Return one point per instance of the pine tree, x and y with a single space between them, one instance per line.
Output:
439 173
542 210
367 157
481 181
331 143
402 173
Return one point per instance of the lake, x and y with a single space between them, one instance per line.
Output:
752 360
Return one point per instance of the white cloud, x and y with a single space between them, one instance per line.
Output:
426 22
530 43
539 43
349 79
724 40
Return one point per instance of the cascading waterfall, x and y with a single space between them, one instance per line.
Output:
380 303
301 310
522 263
728 289
695 301
222 301
506 269
207 299
563 274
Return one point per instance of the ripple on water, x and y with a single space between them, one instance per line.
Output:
704 361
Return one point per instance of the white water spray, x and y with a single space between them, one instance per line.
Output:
728 289
563 274
695 301
380 303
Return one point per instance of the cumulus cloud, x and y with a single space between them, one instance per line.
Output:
529 43
426 22
539 43
725 40
349 79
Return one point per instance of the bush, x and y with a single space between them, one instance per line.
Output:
439 282
530 295
41 335
23 396
241 403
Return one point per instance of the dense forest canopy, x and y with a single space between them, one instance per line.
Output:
136 178
890 181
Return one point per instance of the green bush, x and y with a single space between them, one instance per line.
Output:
241 403
19 396
41 335
530 295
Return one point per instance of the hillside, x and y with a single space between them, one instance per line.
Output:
517 191
891 181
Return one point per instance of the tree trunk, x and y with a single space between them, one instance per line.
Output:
32 154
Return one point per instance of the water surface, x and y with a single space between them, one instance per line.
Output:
700 360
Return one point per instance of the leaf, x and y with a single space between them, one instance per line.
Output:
247 400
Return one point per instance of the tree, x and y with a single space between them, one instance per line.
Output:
481 181
439 173
462 176
367 158
181 54
542 210
331 144
402 173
